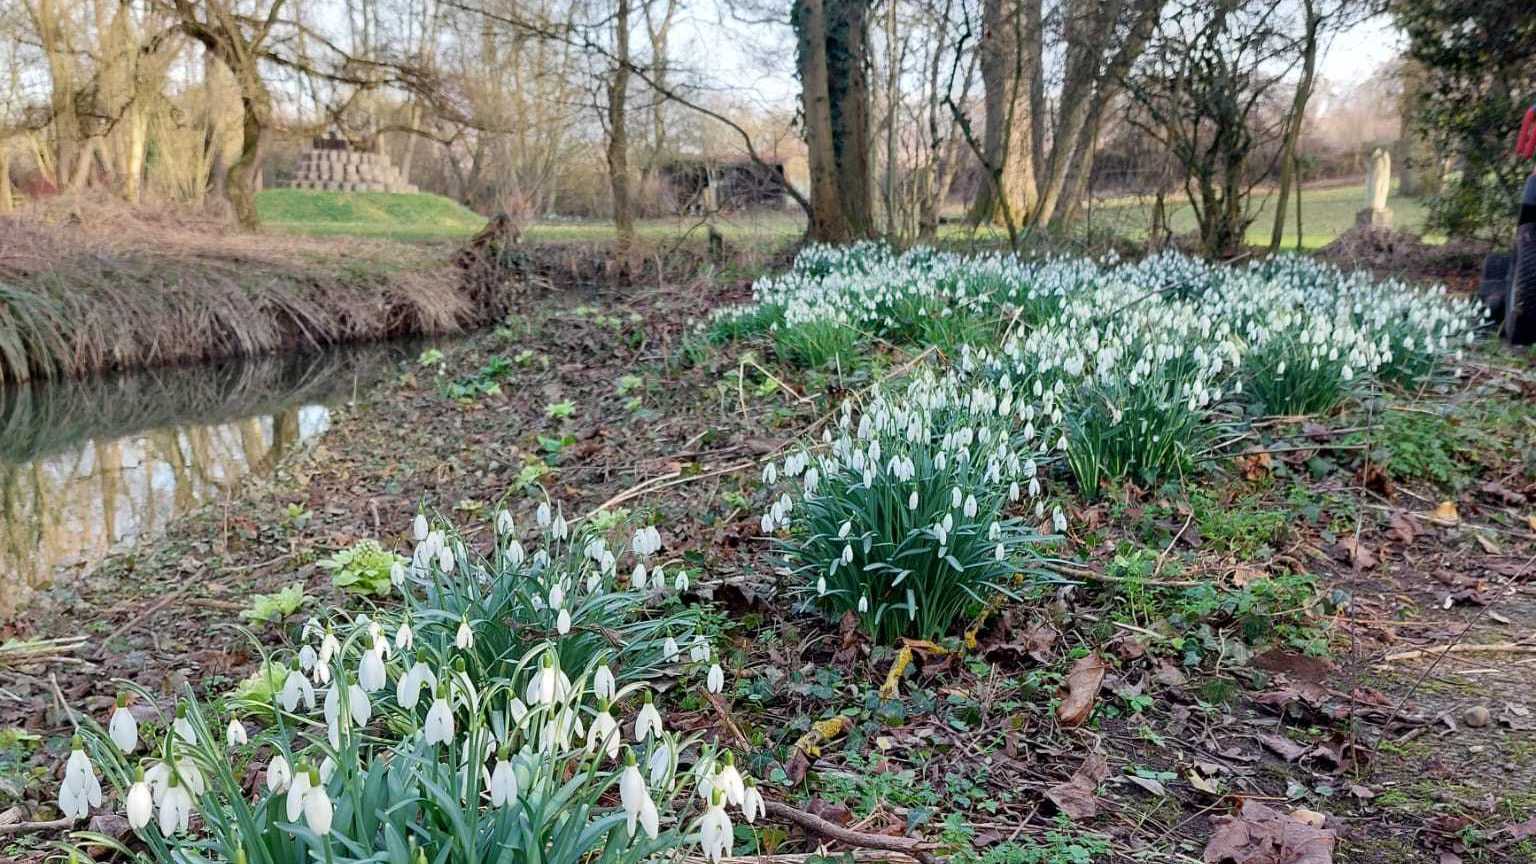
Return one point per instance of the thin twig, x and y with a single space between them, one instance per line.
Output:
917 848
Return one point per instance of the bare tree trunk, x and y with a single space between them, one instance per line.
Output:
1295 121
7 200
1010 62
618 134
829 219
240 183
61 73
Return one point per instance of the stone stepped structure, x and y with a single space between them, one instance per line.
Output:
331 166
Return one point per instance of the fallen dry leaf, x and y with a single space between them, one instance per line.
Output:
1283 747
1446 514
1522 830
1076 797
1530 521
1487 543
1261 835
1244 575
1403 529
1083 682
1358 554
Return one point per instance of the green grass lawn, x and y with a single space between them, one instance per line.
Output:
366 214
1326 213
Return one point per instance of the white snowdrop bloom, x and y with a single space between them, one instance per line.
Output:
279 775
647 720
661 763
563 622
728 780
543 515
821 586
235 735
639 809
752 805
680 581
308 658
863 604
715 680
503 784
405 637
438 728
329 645
844 529
699 651
766 524
970 507
175 809
848 553
408 688
604 734
123 729
1059 520
770 474
515 554
603 684
504 525
464 639
912 500
637 577
183 727
140 804
560 530
556 596
370 671
669 650
548 685
81 790
419 528
716 837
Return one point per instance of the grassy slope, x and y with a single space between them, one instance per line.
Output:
1326 212
366 214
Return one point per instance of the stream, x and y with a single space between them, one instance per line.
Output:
90 468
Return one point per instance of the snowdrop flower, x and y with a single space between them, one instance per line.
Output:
140 803
397 574
680 582
445 559
669 650
504 525
648 720
405 637
329 645
970 507
863 604
175 808
279 775
419 528
821 586
560 529
515 554
603 684
752 805
912 500
1059 520
370 671
728 780
318 811
408 690
636 799
308 658
563 622
182 726
80 790
715 680
235 735
699 652
503 784
661 763
715 830
549 685
123 729
518 711
604 733
637 578
464 639
439 725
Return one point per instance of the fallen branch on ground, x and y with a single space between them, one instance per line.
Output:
1493 648
911 846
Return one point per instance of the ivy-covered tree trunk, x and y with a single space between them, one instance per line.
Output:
832 48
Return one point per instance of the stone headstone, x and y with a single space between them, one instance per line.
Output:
1378 183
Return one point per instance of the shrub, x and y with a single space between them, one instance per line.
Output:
363 568
901 519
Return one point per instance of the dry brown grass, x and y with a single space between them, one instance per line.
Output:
91 286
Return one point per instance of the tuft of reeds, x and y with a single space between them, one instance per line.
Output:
118 289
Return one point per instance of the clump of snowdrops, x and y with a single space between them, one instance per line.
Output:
1139 365
900 517
501 712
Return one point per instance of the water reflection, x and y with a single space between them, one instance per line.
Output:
89 468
